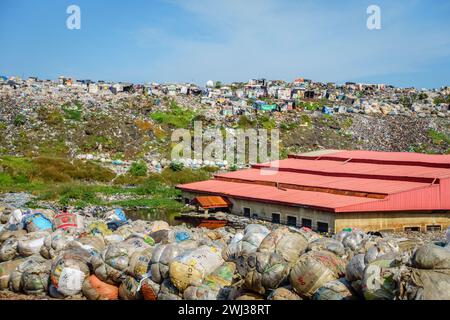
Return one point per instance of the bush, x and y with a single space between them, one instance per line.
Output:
138 169
19 120
186 175
176 166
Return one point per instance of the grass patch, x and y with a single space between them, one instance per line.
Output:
176 116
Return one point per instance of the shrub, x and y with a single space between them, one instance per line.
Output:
176 166
138 169
19 120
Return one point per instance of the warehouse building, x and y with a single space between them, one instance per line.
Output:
330 190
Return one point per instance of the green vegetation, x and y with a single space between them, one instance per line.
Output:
176 117
77 183
245 123
439 100
138 169
19 120
176 166
73 112
438 137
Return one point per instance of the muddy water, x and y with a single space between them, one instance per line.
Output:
150 215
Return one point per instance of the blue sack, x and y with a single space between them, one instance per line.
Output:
181 236
40 221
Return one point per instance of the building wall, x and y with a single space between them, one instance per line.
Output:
396 221
265 210
368 221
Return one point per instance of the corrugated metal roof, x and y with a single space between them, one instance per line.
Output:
319 200
207 202
339 183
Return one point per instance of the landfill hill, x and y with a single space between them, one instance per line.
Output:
136 126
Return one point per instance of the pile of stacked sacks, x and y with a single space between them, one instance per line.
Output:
66 255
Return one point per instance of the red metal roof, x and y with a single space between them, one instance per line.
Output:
406 181
311 180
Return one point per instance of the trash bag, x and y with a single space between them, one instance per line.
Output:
37 222
69 270
6 268
355 268
115 215
447 235
283 293
129 289
8 249
31 243
159 225
54 243
95 289
421 284
4 217
341 235
149 289
378 282
140 263
191 267
163 254
339 289
168 291
231 252
431 257
250 296
35 280
182 236
111 267
98 228
31 263
328 244
289 245
264 271
162 236
16 217
68 221
313 270
6 234
254 234
353 239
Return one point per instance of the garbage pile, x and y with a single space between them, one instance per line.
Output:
68 255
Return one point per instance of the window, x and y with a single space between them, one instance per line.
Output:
307 223
322 227
434 228
254 216
412 229
246 212
187 201
292 221
276 218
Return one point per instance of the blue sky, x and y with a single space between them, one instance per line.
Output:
228 40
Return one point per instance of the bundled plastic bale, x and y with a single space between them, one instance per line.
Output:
140 263
149 289
313 270
379 282
355 268
162 255
232 251
168 291
283 293
94 245
353 239
31 243
191 267
16 217
341 235
290 246
130 289
35 280
98 228
16 283
162 236
68 221
8 249
113 263
6 234
6 268
4 217
327 244
375 247
54 243
264 271
307 233
95 289
214 287
37 222
335 290
69 270
159 225
447 235
421 284
254 234
431 257
115 215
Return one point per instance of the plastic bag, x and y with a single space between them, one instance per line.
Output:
31 243
290 246
431 257
283 294
8 249
129 289
95 289
335 290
